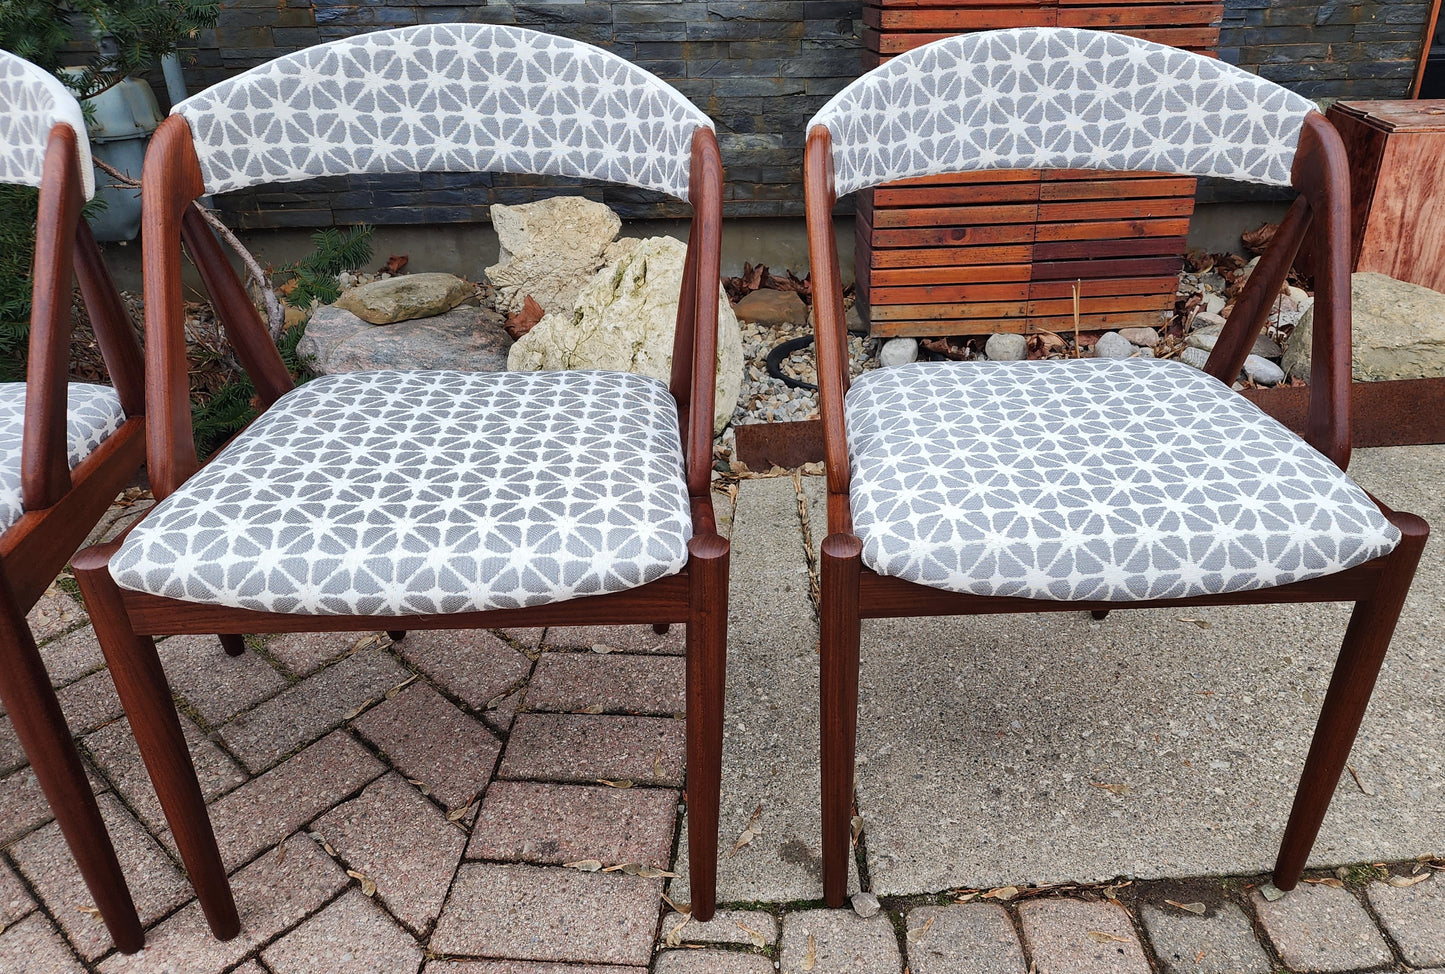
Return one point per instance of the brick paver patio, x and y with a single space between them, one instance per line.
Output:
412 807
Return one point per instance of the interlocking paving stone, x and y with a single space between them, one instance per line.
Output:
584 747
725 927
311 708
155 883
303 653
570 682
33 946
271 894
1221 943
12 755
1415 917
843 943
114 750
499 717
266 809
401 842
15 899
712 962
530 638
552 824
90 702
1056 932
70 657
523 967
54 613
971 938
1321 928
22 805
472 665
427 738
216 685
549 914
351 936
628 639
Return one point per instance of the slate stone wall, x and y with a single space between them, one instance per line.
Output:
760 68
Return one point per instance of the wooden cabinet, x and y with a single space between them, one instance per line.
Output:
1397 186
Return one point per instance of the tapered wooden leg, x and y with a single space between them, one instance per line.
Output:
232 643
838 672
146 696
1100 614
397 635
1366 640
661 628
45 738
707 630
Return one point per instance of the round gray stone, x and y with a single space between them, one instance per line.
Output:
1006 347
1113 345
898 351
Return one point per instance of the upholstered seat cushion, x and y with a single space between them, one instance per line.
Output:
93 413
1092 480
391 493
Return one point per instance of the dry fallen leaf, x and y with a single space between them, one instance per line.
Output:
638 869
684 908
1201 623
811 959
457 814
1002 893
1271 892
674 936
368 888
856 827
420 786
1408 880
918 933
657 765
1105 937
758 940
390 694
1198 909
595 708
1329 881
281 852
965 897
1117 788
1111 893
750 833
359 710
602 648
620 783
89 911
584 865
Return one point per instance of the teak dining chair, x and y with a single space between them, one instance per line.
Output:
66 450
996 487
422 500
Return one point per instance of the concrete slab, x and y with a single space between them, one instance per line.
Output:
770 747
986 744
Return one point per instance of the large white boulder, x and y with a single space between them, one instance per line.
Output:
550 249
624 321
1398 331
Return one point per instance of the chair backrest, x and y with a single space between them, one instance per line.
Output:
32 101
1060 98
445 97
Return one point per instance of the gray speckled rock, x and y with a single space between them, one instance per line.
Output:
1196 357
1144 337
1398 331
898 351
1262 371
1006 347
405 298
468 338
1113 345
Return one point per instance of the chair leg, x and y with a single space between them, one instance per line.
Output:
397 635
838 672
43 734
1100 614
146 696
661 628
1368 637
233 643
707 630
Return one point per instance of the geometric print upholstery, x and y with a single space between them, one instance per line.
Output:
445 98
397 493
92 414
1060 98
1107 480
32 101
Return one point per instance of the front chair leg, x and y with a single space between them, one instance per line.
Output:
141 683
838 685
45 738
1368 637
232 643
707 628
396 635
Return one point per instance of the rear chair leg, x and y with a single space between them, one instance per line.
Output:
397 635
707 629
40 726
661 628
146 696
838 683
232 643
1368 637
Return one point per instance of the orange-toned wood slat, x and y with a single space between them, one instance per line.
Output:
982 274
934 216
1112 229
949 312
1094 210
1114 189
1064 250
1101 304
1100 287
1141 267
1140 15
882 261
1019 191
885 45
959 19
948 294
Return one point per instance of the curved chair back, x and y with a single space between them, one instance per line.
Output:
35 101
445 98
1060 98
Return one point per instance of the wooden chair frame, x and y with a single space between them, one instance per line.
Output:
126 621
851 592
62 506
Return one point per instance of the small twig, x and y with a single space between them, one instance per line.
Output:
1077 284
275 314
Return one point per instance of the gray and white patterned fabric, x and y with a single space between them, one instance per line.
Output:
93 414
391 493
1060 98
1115 481
445 98
32 101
